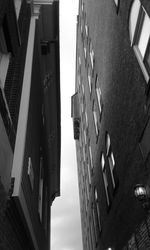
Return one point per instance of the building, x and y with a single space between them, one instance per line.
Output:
110 111
29 121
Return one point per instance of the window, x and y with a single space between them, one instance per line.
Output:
95 118
117 4
99 96
107 143
9 31
82 17
82 102
91 158
82 6
40 198
86 120
111 160
30 172
105 178
97 209
85 139
4 63
89 79
112 165
86 31
84 158
139 29
78 82
91 55
17 4
79 59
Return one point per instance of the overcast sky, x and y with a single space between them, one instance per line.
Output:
65 223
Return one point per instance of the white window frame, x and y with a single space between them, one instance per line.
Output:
17 4
85 138
105 178
84 157
31 172
86 119
92 56
99 96
91 157
97 209
111 159
116 2
95 118
112 166
89 79
4 64
86 30
107 143
136 32
85 52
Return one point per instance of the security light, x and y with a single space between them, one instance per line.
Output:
142 193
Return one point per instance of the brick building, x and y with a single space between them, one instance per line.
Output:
110 110
29 121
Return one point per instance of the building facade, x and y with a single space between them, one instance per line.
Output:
110 111
29 121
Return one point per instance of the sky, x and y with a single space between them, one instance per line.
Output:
65 217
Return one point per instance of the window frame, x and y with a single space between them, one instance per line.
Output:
111 160
92 56
135 36
95 118
117 5
30 172
105 179
99 96
90 156
97 210
89 74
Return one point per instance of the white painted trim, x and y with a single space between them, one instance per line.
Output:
23 112
140 61
17 5
21 132
4 63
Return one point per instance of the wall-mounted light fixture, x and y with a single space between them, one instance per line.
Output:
142 193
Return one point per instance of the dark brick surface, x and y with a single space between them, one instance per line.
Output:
125 113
